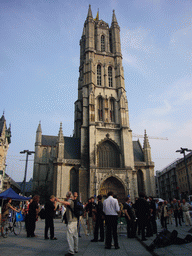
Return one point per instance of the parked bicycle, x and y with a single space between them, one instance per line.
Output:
10 224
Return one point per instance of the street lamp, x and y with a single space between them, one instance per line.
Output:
26 162
182 151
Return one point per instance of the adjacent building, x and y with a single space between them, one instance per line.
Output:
101 155
172 181
183 177
5 140
8 182
166 182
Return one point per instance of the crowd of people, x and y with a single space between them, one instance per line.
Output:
140 216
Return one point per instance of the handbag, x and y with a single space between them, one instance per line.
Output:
19 216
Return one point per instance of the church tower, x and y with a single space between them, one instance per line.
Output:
101 112
101 156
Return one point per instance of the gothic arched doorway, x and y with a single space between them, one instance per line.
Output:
140 182
114 185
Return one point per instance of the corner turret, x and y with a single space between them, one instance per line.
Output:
115 36
89 31
89 15
60 144
146 149
38 135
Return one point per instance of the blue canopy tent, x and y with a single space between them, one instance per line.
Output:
13 195
10 193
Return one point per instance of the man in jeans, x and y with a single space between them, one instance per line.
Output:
72 234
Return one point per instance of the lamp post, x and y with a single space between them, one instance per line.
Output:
26 163
182 151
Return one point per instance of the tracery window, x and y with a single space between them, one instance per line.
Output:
98 75
112 110
100 109
108 155
103 43
44 155
110 79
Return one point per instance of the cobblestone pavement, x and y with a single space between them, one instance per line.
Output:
21 245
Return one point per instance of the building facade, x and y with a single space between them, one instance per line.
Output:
5 140
184 180
167 182
173 181
101 155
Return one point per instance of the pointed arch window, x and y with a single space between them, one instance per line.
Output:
108 155
44 155
103 43
112 110
99 75
110 78
100 109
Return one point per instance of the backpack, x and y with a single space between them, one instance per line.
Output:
78 208
42 213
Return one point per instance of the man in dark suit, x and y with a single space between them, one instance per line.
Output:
50 208
152 208
99 221
130 218
142 211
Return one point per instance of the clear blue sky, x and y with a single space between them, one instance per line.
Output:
39 62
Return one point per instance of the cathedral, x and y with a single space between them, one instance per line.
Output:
101 156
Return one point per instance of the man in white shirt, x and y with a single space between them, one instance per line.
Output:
185 207
111 209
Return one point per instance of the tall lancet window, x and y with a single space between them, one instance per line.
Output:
98 75
110 79
103 43
100 109
112 110
44 155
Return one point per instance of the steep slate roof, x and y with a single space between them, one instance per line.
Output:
138 152
71 145
28 186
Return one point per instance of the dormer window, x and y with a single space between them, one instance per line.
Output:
99 75
103 43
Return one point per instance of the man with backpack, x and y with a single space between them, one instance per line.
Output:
79 211
72 234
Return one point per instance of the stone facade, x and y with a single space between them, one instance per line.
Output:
107 158
5 140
